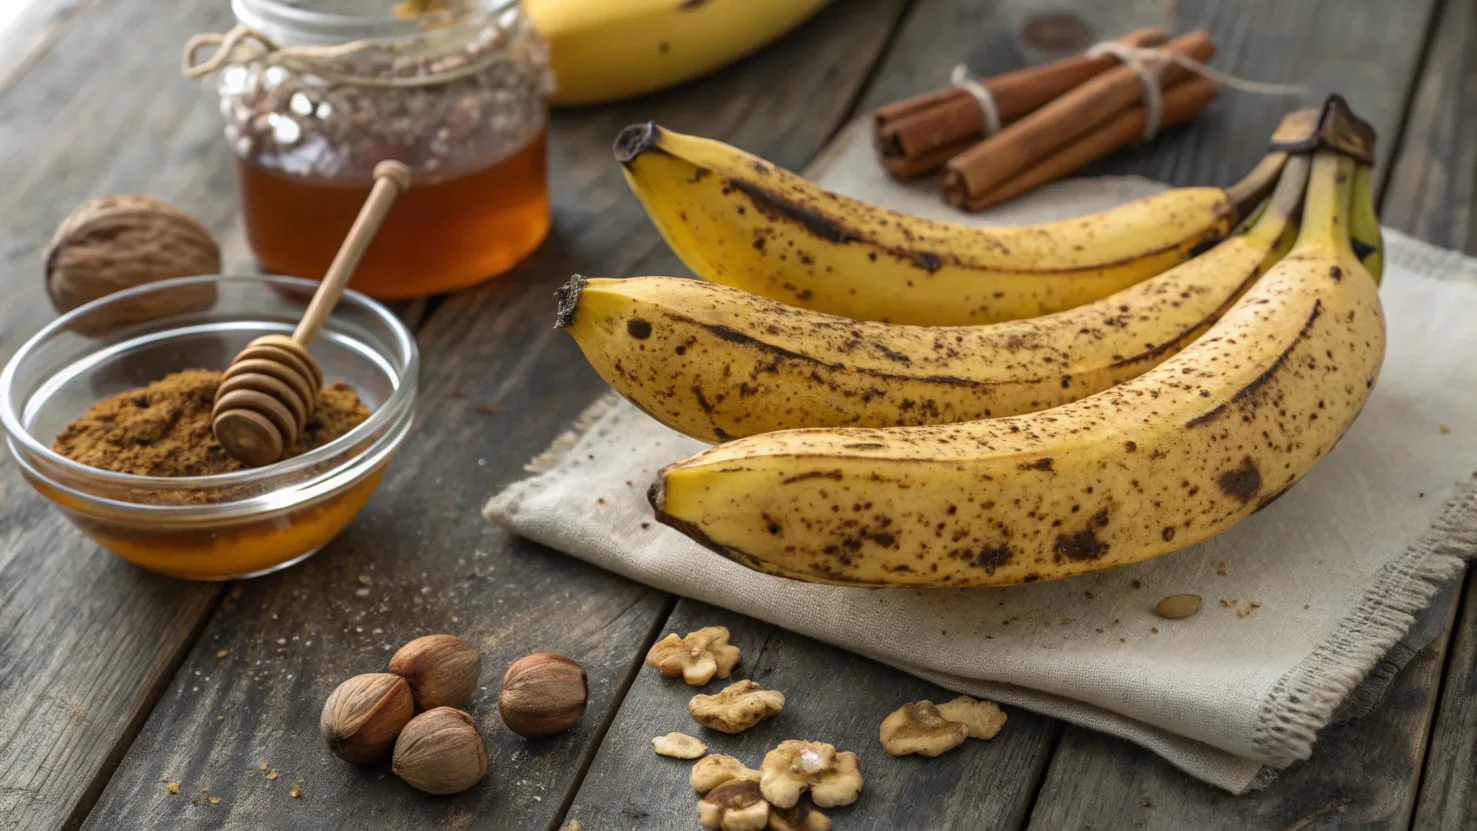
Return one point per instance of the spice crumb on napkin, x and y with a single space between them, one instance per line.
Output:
1302 602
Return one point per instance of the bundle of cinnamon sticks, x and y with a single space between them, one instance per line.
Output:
1056 118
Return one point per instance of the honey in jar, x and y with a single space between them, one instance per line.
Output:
314 100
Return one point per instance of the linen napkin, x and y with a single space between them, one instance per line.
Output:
1302 600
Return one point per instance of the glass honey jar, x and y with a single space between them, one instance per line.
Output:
315 93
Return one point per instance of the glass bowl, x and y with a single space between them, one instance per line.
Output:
231 525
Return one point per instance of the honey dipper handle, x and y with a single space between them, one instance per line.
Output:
391 178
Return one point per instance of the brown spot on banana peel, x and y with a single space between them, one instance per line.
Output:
1242 483
638 328
780 208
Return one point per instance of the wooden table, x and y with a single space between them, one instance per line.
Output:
114 681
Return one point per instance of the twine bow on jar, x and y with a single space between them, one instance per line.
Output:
244 44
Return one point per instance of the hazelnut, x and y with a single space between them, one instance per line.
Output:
118 242
542 694
442 670
363 716
440 752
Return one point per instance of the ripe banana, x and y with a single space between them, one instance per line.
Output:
1172 457
1364 225
604 51
718 363
740 221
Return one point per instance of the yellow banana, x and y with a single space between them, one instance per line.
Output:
717 363
604 51
738 220
1179 454
1364 225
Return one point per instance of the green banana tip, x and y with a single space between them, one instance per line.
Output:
635 140
568 298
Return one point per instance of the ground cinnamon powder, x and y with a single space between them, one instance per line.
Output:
164 429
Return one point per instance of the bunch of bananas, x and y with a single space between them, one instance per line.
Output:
915 403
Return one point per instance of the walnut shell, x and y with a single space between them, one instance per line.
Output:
440 752
118 242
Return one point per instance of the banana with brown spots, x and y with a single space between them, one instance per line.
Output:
738 220
1179 454
718 363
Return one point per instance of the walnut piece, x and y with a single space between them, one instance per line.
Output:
918 728
798 818
697 658
982 718
734 806
679 746
796 766
712 771
737 708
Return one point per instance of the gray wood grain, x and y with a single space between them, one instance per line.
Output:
498 384
1432 193
1363 774
1432 188
85 640
1448 795
832 696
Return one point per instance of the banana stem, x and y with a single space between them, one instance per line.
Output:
1246 194
1326 210
1286 201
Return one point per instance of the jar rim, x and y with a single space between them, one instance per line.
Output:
292 24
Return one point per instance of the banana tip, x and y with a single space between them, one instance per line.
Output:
568 298
635 140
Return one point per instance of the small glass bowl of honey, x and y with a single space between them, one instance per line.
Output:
230 525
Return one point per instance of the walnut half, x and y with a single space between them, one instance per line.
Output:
697 658
796 766
734 806
737 708
679 746
711 771
918 728
982 718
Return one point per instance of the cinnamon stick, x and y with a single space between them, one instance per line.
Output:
916 128
1182 102
1023 144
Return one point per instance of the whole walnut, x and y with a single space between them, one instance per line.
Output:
114 243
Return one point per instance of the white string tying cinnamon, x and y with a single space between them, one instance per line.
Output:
1149 63
960 79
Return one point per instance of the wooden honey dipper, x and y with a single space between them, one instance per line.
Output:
271 388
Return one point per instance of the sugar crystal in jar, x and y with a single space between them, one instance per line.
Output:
315 93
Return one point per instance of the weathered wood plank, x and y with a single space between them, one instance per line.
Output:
1432 193
497 385
1362 775
1448 795
85 640
832 696
30 27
